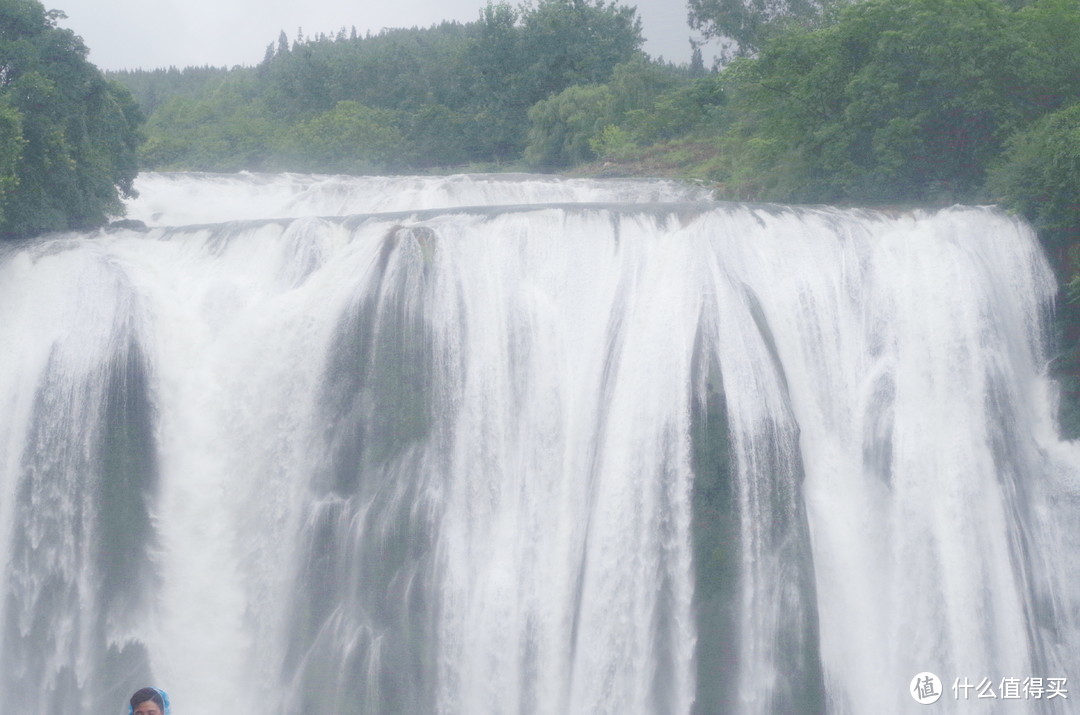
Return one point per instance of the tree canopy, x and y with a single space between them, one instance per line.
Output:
1039 175
749 23
449 94
897 100
852 102
68 137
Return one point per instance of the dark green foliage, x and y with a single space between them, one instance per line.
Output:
643 101
350 138
224 129
552 46
898 100
1052 30
1039 175
449 94
697 62
873 101
70 135
749 23
153 88
11 143
562 127
686 108
567 42
637 84
436 135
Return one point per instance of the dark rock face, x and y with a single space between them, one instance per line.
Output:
127 224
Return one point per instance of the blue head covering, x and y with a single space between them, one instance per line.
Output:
164 702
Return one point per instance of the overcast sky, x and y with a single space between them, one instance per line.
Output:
127 34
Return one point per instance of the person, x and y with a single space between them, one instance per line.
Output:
149 701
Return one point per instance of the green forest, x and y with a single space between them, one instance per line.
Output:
68 136
880 101
871 102
428 99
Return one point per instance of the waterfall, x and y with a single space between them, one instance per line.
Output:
518 444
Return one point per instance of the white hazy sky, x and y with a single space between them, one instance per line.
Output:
128 34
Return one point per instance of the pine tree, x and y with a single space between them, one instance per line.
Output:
697 63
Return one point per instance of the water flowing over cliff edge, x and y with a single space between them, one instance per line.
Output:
515 444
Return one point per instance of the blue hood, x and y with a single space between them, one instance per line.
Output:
164 701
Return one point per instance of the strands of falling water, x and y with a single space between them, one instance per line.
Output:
445 461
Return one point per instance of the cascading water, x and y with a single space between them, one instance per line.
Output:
344 445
